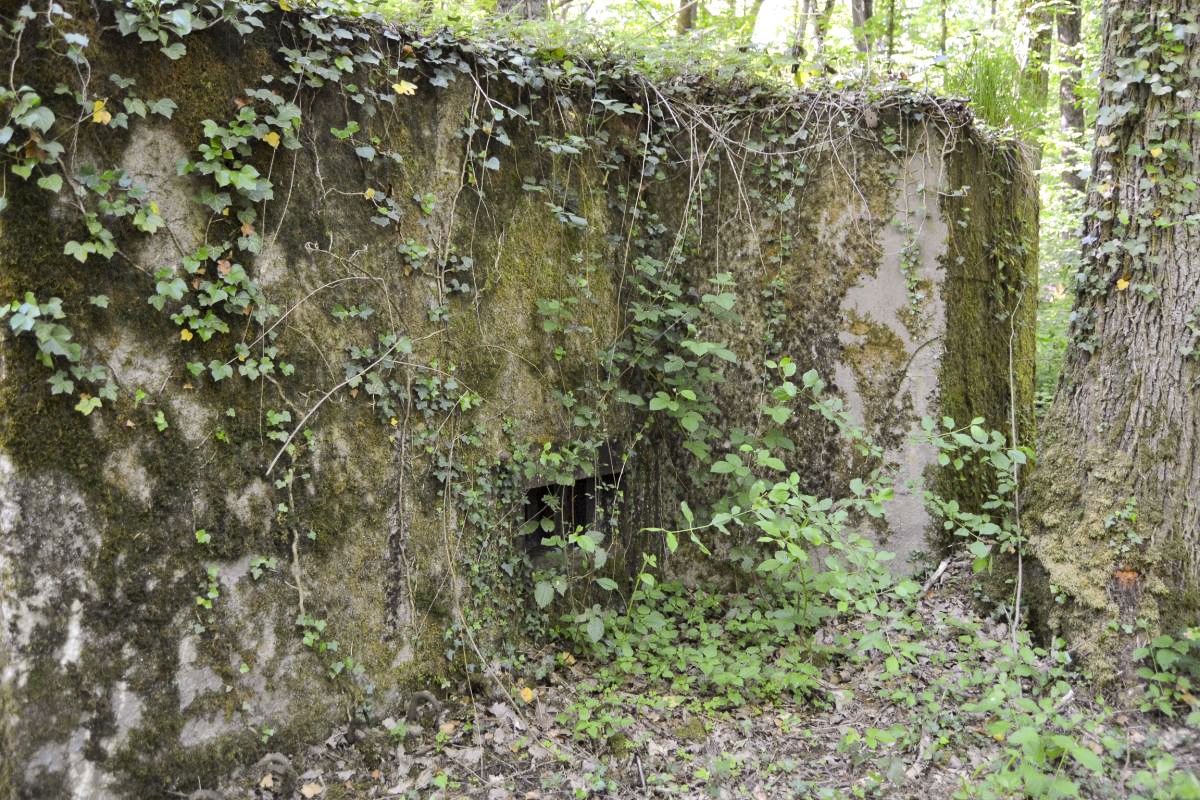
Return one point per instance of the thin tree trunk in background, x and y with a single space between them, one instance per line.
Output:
528 9
752 18
821 28
1070 110
945 29
686 20
1035 74
861 12
807 13
1113 505
891 31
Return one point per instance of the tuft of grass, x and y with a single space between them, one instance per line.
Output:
1000 94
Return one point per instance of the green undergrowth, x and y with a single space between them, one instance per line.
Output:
828 628
930 688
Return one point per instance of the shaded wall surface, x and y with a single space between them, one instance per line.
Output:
330 384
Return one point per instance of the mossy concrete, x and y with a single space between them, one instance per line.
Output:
114 682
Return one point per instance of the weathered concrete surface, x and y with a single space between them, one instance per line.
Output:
116 682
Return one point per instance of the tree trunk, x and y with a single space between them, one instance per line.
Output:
686 19
891 32
1069 108
1113 507
751 19
1035 74
821 28
528 9
808 13
945 32
861 12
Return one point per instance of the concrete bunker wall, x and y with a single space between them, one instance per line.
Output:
295 514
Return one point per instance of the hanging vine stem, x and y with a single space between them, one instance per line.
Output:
343 384
1012 425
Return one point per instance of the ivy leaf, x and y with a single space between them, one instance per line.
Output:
41 118
164 107
51 183
174 51
60 383
99 300
218 370
76 249
404 87
100 114
87 404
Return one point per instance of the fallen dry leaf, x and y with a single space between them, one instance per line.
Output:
310 790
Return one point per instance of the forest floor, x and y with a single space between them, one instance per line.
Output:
879 729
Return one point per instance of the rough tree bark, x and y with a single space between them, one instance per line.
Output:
1070 110
1113 508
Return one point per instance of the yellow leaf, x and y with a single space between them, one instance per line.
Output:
185 334
369 193
284 5
100 114
394 422
404 87
1122 284
526 694
1156 151
272 139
